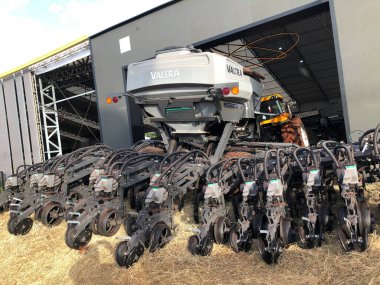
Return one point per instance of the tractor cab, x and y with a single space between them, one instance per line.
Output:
273 110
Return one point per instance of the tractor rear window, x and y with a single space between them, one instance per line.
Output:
271 106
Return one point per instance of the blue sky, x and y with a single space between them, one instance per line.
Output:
31 28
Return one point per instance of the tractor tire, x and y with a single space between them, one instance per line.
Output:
294 131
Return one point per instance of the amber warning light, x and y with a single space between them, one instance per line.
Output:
234 90
111 100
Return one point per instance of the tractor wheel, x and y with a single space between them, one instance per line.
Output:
294 131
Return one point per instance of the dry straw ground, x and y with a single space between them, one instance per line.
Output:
42 257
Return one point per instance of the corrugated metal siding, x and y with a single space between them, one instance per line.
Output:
5 156
13 121
34 135
19 112
23 120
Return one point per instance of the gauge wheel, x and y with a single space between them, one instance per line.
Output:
107 223
94 225
257 222
4 207
37 213
130 225
265 255
193 245
344 239
221 228
159 236
285 231
66 214
52 214
365 240
234 240
75 196
206 245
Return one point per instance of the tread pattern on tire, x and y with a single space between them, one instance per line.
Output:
291 131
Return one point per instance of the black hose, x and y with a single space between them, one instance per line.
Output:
375 140
347 150
109 157
148 142
296 158
126 154
139 158
22 165
332 156
168 156
224 165
211 168
120 162
266 157
254 167
179 163
97 147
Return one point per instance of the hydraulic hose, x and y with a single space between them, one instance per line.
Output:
254 167
180 162
332 156
375 140
296 153
85 154
266 158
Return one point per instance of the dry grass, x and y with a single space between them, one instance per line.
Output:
42 257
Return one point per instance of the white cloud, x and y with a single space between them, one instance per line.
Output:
12 6
26 36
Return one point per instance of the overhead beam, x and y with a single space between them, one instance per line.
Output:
69 98
73 137
78 120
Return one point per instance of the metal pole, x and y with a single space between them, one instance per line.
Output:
69 98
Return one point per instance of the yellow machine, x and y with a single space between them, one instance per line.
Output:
273 104
278 123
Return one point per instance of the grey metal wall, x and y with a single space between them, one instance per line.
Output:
182 23
19 143
357 44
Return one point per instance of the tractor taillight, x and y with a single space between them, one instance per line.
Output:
226 91
115 99
109 100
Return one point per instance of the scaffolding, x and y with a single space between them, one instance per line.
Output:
50 120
